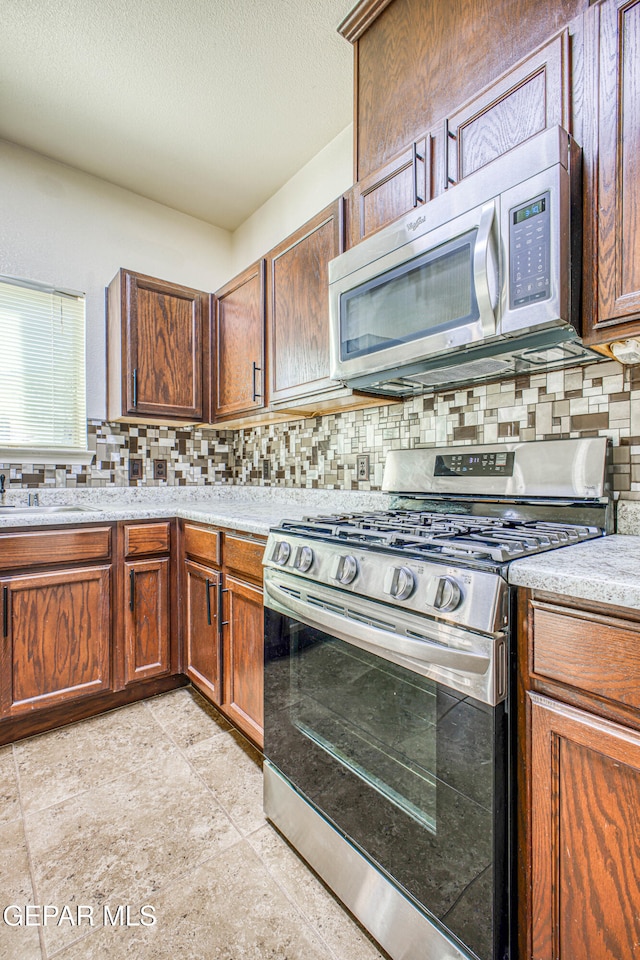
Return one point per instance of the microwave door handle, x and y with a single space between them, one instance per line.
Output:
373 638
485 270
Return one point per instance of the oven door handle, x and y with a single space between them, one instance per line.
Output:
375 639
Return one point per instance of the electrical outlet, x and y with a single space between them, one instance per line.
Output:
159 469
135 468
266 470
362 467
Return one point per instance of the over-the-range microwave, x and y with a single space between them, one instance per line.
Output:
480 283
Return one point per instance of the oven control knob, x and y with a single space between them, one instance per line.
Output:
345 569
304 559
399 582
444 594
281 552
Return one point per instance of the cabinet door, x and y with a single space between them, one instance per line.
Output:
239 378
617 222
299 307
244 657
400 186
147 623
57 637
202 628
585 825
523 102
163 330
416 62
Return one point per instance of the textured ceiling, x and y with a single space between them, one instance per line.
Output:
208 106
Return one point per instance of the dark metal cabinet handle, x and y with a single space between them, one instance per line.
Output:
135 386
414 160
255 392
5 611
221 623
132 589
448 135
209 585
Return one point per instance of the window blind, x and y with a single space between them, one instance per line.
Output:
42 370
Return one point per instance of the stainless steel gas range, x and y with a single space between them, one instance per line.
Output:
389 669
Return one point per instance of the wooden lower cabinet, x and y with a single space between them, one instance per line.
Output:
223 622
57 637
147 621
579 783
585 835
243 645
202 641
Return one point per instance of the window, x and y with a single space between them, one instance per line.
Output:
42 374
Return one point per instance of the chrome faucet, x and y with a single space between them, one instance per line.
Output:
34 500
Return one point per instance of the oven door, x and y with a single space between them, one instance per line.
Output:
413 773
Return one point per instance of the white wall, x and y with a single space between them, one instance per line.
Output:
64 227
319 182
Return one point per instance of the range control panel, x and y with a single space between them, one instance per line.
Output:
530 251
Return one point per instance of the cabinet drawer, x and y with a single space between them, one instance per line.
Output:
594 653
203 543
244 556
20 550
147 538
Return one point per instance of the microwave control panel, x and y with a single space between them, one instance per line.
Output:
530 252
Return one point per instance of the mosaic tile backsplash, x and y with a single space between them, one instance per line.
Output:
598 399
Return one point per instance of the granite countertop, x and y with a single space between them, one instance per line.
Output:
246 509
604 570
601 570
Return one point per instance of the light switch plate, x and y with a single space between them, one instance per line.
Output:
135 468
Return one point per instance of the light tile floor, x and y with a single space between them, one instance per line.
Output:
159 805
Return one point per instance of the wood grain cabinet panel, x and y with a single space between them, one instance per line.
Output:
157 348
239 379
244 657
585 830
298 308
244 556
598 654
202 626
403 184
617 206
147 621
19 551
407 63
143 539
529 98
57 636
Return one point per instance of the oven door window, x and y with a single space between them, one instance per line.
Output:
435 291
410 771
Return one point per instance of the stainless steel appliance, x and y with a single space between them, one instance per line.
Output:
481 282
388 685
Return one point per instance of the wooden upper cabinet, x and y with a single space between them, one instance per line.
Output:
157 350
416 62
524 101
616 223
401 185
298 308
239 353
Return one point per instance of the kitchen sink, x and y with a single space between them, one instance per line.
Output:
22 511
